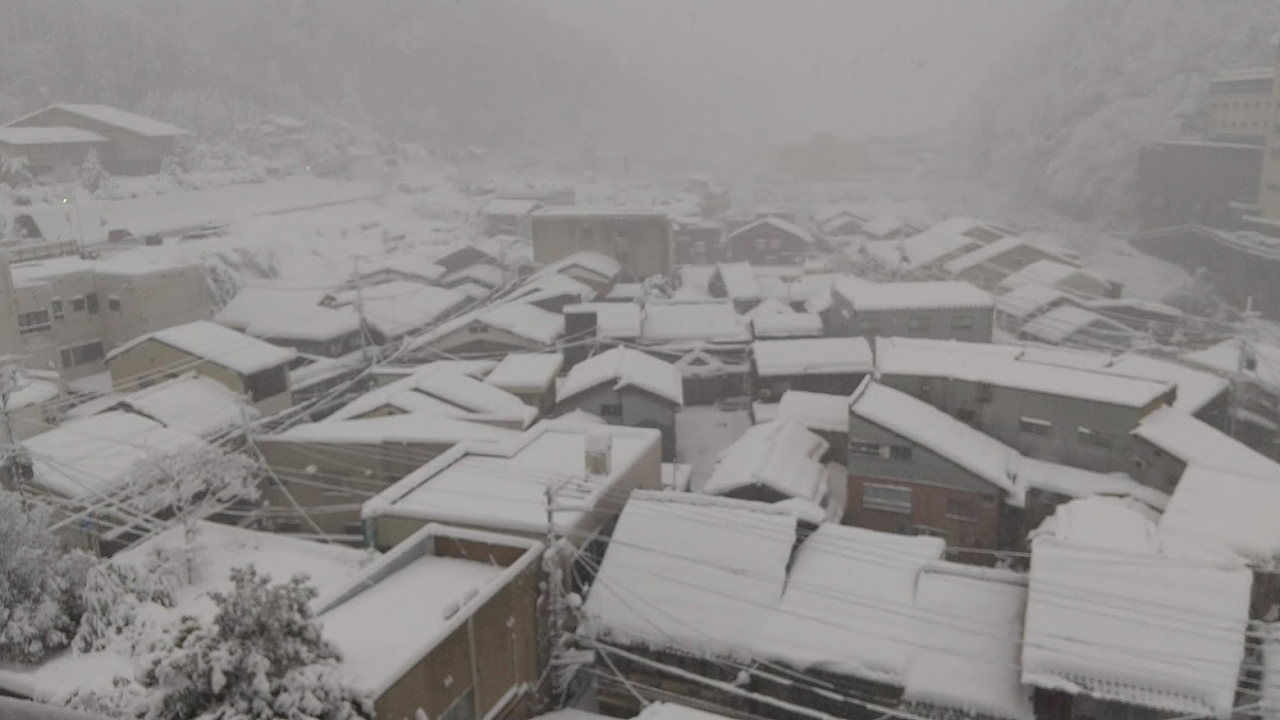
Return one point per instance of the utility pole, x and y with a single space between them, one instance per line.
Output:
358 282
14 462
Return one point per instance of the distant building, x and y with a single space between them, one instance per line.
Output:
1240 105
949 310
1068 278
701 243
49 149
771 241
1198 183
136 145
987 266
827 365
626 387
639 239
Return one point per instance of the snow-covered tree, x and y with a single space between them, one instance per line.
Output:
40 582
110 606
263 657
192 482
92 174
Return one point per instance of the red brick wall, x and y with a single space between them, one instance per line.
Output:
928 508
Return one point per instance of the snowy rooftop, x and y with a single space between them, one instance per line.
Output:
217 549
1073 482
847 604
1043 272
526 371
618 320
1028 299
526 321
305 323
938 241
490 276
780 456
703 321
601 211
822 412
1112 615
106 114
404 605
99 454
738 280
786 325
998 365
400 307
1064 321
1227 509
219 345
969 631
983 255
192 404
812 356
776 223
504 487
1196 388
272 305
769 306
1197 443
1228 357
888 297
40 270
882 226
604 266
425 428
623 367
47 136
439 390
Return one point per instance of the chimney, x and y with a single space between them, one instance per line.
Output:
598 446
580 334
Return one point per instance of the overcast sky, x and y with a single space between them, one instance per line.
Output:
792 67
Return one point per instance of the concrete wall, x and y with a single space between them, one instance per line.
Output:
1192 183
646 250
937 324
152 301
639 409
70 326
152 361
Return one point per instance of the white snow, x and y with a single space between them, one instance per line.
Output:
704 432
439 390
998 365
685 321
786 325
425 428
1229 509
1196 388
623 367
882 226
526 321
739 281
132 122
614 320
272 305
219 345
776 223
781 456
490 276
526 372
934 243
1042 272
604 267
822 412
1073 482
1061 323
1112 616
99 454
1228 357
192 404
812 356
305 323
1027 300
673 711
47 136
983 255
969 634
889 297
399 307
1198 443
509 206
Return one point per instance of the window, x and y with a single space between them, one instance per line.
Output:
1093 437
868 449
462 709
962 510
985 393
77 304
611 410
267 383
900 452
113 303
892 498
918 325
869 326
965 415
76 355
961 322
1034 426
34 322
57 308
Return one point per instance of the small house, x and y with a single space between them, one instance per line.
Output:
830 365
442 391
771 241
786 325
934 247
701 243
492 330
136 145
773 462
596 270
1017 306
191 403
626 387
948 310
243 364
530 377
640 239
840 222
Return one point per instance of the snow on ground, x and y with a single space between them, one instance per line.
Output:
703 432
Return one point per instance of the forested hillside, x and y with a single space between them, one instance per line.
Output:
1059 126
493 72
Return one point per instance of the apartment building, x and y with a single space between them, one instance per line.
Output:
1241 106
67 313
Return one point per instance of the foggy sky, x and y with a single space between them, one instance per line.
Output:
788 68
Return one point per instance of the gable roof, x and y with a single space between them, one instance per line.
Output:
219 345
1229 509
781 456
193 404
139 124
625 367
1197 443
1028 299
47 136
1065 321
812 356
526 371
887 297
777 223
675 322
738 280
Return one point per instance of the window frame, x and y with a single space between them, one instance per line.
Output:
885 505
1034 426
113 303
1095 438
78 303
34 326
963 504
91 303
919 325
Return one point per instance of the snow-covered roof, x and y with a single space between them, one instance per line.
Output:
769 306
490 276
405 604
738 280
888 297
32 391
1196 388
983 255
526 371
620 211
616 320
438 390
47 136
274 306
606 267
883 226
847 605
1120 306
812 356
504 487
934 429
526 321
1114 615
193 404
969 634
777 223
1228 509
509 206
1228 357
400 265
822 412
219 345
552 285
1262 72
1043 272
26 273
999 366
422 428
786 325
1197 443
623 367
95 455
1073 482
936 242
782 456
307 324
1064 321
108 115
1026 300
685 321
690 572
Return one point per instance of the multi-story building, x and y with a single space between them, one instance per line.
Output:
1241 106
70 312
640 239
